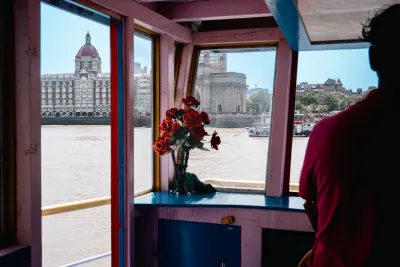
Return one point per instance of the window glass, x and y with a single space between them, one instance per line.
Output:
327 83
235 87
143 113
76 135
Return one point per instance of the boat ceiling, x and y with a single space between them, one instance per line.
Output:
306 24
337 20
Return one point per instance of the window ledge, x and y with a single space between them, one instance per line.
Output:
221 200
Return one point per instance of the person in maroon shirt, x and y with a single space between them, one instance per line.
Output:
351 169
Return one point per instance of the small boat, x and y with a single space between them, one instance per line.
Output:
260 128
302 125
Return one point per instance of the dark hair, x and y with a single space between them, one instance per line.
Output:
382 29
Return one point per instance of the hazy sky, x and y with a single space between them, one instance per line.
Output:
63 33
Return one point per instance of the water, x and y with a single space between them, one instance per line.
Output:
76 165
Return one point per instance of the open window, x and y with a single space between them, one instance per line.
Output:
76 132
144 112
235 86
327 83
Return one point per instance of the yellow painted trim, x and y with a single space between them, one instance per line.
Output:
239 45
78 205
143 29
156 64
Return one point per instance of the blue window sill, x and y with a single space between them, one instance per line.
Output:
221 200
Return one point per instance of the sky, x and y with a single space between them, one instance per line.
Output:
63 33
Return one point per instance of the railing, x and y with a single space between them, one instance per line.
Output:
78 205
77 263
74 206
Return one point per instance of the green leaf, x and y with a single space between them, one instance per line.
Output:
195 143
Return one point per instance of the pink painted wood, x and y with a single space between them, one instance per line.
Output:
28 126
280 107
251 221
166 100
184 73
147 18
128 31
215 10
270 35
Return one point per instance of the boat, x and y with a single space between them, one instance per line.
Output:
302 125
261 127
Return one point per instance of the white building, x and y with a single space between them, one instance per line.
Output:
84 93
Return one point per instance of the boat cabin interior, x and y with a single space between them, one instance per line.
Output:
85 86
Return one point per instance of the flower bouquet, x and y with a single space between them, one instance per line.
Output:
181 131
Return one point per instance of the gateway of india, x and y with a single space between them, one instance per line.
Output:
219 91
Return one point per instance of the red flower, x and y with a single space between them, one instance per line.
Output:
191 118
198 132
168 127
170 113
215 140
162 145
190 101
175 127
205 118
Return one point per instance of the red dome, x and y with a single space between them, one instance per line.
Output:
88 50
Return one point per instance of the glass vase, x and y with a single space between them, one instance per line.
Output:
180 159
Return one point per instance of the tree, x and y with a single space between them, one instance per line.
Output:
323 102
259 102
299 106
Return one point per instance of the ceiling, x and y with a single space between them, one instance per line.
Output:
337 20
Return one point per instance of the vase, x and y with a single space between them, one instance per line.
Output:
180 159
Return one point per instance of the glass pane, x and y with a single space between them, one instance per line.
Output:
328 82
76 136
143 113
235 87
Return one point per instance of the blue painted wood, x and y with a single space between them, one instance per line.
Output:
80 10
121 145
289 21
221 200
190 244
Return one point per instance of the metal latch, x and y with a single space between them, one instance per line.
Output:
32 150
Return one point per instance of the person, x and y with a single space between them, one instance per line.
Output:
351 169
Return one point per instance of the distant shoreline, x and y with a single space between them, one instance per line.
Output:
218 121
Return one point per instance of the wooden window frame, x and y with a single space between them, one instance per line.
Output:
193 73
154 37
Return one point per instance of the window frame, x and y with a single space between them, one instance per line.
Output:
193 73
155 38
177 63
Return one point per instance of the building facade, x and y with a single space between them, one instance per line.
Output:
143 90
219 91
331 85
84 93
